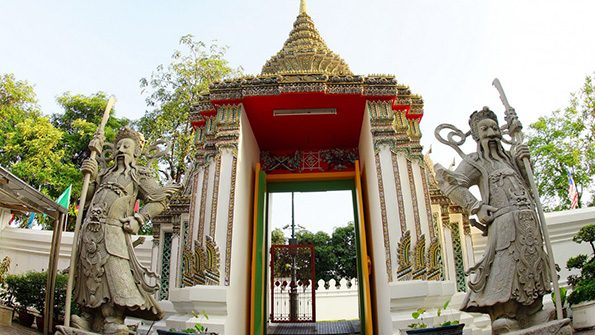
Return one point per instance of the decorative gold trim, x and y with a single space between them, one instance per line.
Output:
215 201
413 190
389 270
203 204
400 202
404 257
230 210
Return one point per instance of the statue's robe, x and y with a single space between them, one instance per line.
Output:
514 269
108 271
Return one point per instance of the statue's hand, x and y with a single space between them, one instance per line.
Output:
90 166
130 224
485 214
521 152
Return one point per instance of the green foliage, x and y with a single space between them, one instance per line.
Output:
278 237
563 296
335 255
583 285
173 91
198 328
563 142
82 114
418 315
29 289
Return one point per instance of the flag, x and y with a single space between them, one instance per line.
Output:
30 221
572 193
64 198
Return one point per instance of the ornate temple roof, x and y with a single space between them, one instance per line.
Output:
305 52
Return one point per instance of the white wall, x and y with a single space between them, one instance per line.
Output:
374 220
29 250
561 226
238 291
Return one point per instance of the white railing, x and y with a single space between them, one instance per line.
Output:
340 301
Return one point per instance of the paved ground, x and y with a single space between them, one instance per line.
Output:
326 328
17 329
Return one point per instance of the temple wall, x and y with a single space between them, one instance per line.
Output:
379 250
248 156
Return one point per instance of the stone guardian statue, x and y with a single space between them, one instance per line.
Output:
508 283
110 283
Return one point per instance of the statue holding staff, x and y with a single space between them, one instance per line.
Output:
110 282
509 282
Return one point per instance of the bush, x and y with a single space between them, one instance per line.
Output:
583 285
28 290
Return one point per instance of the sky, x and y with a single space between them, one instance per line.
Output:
447 51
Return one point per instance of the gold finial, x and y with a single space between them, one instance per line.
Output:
303 7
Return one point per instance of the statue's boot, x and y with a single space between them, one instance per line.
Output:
504 325
112 328
81 322
541 317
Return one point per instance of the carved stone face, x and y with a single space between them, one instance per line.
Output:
489 132
125 148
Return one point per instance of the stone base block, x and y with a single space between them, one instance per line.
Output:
63 330
556 327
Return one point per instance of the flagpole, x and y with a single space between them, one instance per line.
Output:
95 146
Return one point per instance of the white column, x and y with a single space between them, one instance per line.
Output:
406 190
392 206
222 219
449 262
421 201
174 260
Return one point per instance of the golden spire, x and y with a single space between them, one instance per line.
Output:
303 7
304 52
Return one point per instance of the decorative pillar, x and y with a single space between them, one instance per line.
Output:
175 254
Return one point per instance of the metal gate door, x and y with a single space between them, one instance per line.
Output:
292 283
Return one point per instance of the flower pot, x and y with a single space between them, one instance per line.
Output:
582 315
169 332
6 315
446 330
25 318
39 322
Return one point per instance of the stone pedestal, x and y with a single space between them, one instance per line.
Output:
556 327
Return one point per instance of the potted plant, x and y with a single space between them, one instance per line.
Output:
6 301
448 327
23 294
582 297
198 328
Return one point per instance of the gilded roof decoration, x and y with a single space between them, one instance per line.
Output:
305 52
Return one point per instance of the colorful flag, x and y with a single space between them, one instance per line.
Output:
572 193
31 219
64 198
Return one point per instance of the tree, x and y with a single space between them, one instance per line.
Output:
278 237
82 114
17 102
564 143
172 92
343 242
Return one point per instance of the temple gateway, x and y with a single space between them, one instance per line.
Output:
307 123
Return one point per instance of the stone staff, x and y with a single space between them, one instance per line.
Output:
96 145
516 134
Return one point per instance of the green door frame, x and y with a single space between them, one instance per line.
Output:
278 184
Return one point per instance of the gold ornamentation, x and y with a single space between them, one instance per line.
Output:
389 270
201 265
435 264
404 257
305 52
419 263
228 240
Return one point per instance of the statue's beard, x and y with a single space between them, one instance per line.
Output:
492 150
124 162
